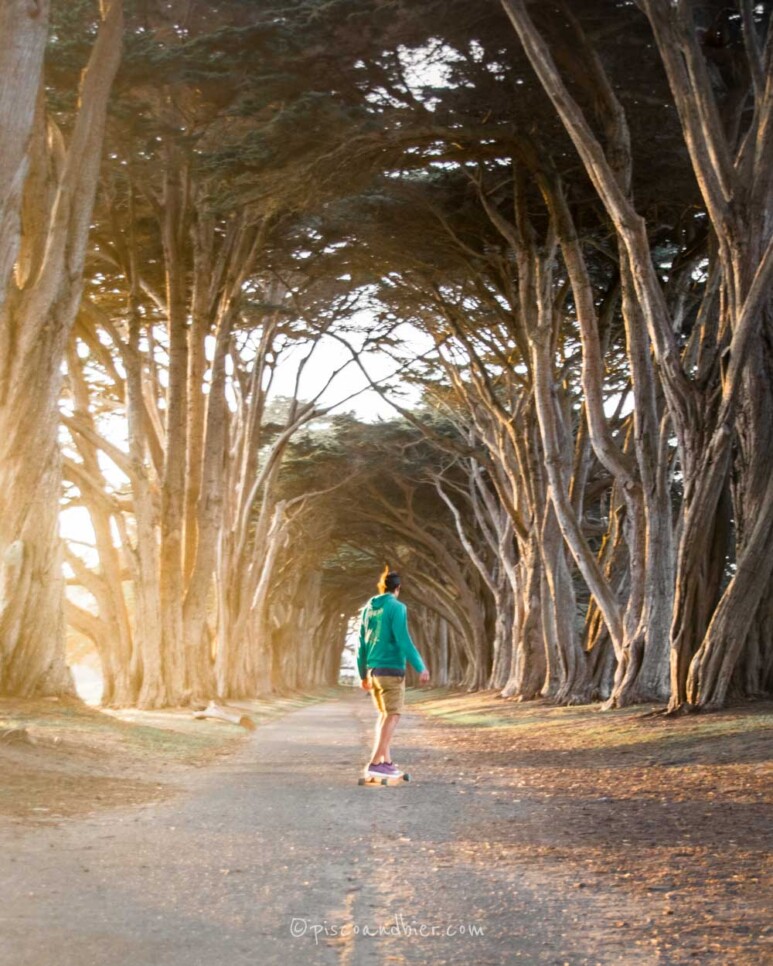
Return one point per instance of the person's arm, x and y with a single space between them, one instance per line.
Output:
403 638
362 652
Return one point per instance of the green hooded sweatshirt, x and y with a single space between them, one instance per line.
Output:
384 637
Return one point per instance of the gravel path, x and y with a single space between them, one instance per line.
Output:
275 855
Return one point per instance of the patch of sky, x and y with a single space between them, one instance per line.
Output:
426 69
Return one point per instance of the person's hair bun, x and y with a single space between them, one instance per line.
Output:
390 580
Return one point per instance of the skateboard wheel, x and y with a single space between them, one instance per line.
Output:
361 781
384 781
406 778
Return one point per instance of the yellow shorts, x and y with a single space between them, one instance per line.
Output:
388 693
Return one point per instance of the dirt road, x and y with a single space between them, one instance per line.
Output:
275 855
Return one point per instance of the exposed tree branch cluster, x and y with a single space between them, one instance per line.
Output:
558 221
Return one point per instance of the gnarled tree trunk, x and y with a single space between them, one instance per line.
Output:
37 310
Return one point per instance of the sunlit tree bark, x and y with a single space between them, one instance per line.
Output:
732 169
43 235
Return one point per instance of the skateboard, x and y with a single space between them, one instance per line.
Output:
405 777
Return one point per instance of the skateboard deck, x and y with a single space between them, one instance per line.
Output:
365 780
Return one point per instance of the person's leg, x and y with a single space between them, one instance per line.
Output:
388 751
377 693
381 752
375 760
393 691
389 694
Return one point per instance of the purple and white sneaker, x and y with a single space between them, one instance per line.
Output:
394 771
379 771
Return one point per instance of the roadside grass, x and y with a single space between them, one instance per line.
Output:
174 734
741 732
65 758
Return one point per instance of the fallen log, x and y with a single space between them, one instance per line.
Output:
9 736
213 710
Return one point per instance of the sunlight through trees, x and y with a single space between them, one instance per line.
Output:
540 235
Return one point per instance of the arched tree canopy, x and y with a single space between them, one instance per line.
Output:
538 233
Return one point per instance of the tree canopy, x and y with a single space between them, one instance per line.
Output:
567 207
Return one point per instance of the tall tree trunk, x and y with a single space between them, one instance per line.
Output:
35 322
115 645
740 618
529 664
171 562
147 602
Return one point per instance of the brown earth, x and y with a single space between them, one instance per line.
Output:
675 813
63 758
567 837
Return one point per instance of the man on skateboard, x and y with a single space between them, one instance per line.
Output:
385 645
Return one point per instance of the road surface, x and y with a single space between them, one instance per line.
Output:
275 855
